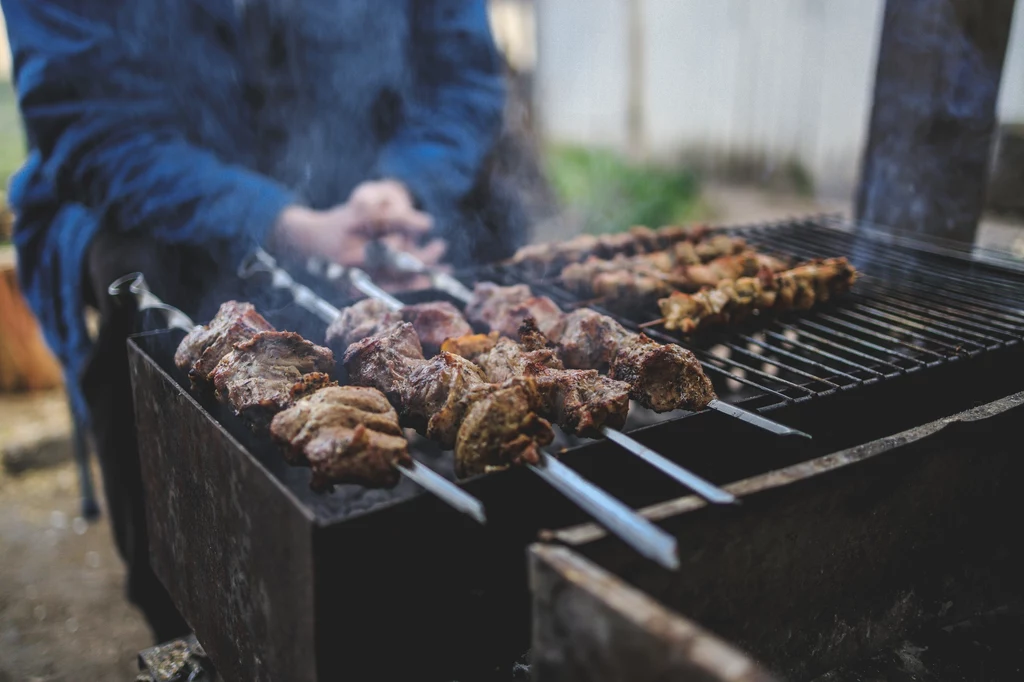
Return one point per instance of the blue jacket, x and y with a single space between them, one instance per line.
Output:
197 121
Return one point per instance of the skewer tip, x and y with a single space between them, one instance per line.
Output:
652 323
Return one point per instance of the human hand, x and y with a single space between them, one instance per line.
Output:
382 207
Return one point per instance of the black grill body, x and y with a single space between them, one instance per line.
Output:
280 583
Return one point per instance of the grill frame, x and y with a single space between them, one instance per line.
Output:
461 624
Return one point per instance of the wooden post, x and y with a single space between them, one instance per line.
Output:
940 63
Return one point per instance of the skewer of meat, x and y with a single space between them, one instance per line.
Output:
393 362
641 280
546 260
329 444
732 300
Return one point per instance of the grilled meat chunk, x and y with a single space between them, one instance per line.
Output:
746 264
437 396
662 377
589 340
201 349
359 321
345 434
503 309
265 374
434 322
500 428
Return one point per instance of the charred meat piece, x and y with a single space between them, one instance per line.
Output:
201 350
732 300
434 322
359 321
746 264
265 374
592 340
503 309
438 397
345 434
500 429
580 401
663 377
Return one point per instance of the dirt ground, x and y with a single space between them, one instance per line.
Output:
63 616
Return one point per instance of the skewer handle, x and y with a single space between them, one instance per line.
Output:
633 529
364 284
147 300
439 486
755 419
708 491
408 263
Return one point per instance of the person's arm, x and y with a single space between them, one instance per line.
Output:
107 134
457 108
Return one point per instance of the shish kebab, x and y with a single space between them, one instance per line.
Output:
578 399
663 377
433 394
329 439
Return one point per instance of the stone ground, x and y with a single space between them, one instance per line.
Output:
63 616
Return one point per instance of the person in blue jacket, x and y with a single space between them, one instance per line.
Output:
171 136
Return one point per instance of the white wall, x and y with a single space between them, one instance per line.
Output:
727 79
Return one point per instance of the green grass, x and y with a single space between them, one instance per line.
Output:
12 140
607 194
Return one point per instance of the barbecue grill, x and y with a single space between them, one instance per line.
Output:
282 583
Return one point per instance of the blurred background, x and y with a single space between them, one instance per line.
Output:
638 112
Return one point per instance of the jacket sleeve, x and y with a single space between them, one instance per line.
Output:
458 98
108 136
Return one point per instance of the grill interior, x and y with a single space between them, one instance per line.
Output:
909 311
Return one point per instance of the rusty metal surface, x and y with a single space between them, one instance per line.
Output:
181 660
589 626
230 543
828 561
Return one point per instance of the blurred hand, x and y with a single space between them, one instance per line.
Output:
375 210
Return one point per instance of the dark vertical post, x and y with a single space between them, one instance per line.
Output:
939 67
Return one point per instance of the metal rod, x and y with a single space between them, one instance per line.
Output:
439 486
147 300
630 527
755 419
442 488
708 491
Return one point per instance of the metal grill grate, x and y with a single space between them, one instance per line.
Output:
910 310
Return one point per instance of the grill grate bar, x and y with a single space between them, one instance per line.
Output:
846 349
818 351
907 320
908 310
946 313
793 356
877 335
867 319
906 290
867 344
762 359
947 278
751 369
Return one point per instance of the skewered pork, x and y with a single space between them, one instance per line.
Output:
503 309
434 322
201 349
641 280
268 372
732 300
579 400
345 434
545 260
448 399
661 378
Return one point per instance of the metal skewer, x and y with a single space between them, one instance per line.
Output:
456 289
633 529
450 285
454 496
